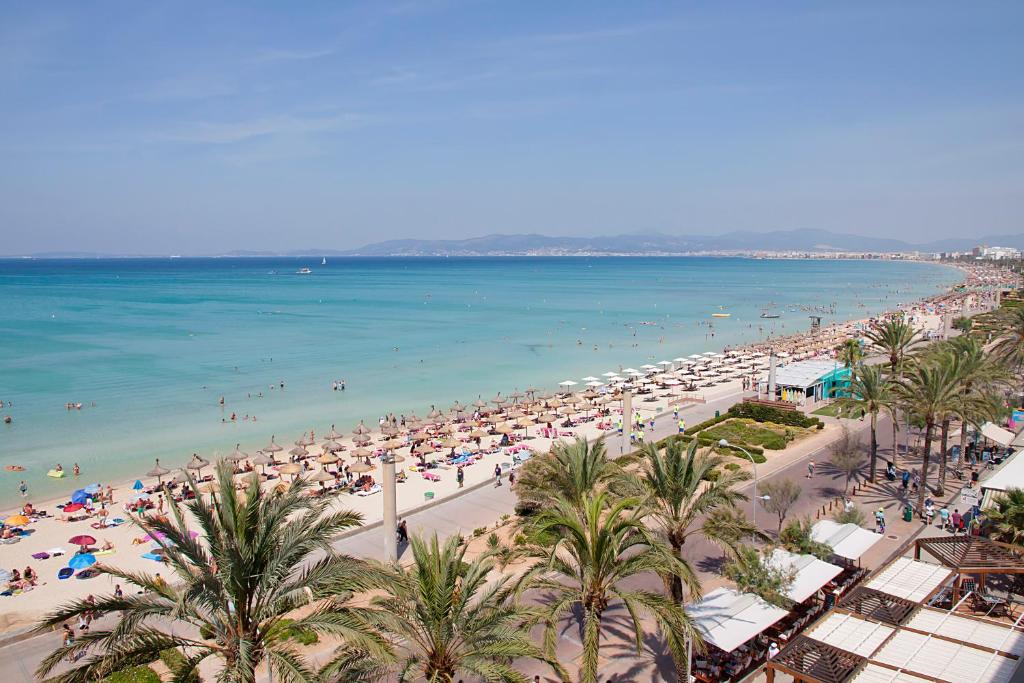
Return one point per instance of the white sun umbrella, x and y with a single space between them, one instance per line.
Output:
696 356
616 378
679 360
636 373
590 378
595 383
567 383
611 374
664 362
628 371
710 353
648 366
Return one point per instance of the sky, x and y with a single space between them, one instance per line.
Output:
203 127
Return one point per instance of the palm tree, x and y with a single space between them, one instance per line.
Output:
1009 346
261 556
571 471
678 492
894 336
437 620
1007 517
851 353
928 390
871 392
601 545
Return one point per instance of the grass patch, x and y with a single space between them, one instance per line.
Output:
832 410
136 674
744 432
174 660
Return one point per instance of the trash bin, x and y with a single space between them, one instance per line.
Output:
718 414
908 513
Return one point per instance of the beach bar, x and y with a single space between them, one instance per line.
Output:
807 381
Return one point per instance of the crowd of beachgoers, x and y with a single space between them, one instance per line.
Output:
50 549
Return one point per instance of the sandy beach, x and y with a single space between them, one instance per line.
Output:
661 387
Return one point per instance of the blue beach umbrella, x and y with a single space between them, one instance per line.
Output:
138 496
79 496
82 561
138 485
92 489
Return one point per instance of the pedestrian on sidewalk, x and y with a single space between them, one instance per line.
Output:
944 517
460 476
497 476
810 469
929 511
682 426
880 520
511 478
905 481
956 521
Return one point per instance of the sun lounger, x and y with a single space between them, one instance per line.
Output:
65 573
153 556
373 489
430 476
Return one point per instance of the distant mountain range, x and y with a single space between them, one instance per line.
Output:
807 240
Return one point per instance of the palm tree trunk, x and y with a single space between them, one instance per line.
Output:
944 440
929 426
591 644
874 448
895 442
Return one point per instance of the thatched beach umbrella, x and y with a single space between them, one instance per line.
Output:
360 467
299 452
333 435
479 403
273 447
197 463
237 455
434 413
361 439
388 430
361 428
322 476
362 453
328 458
478 434
290 468
332 446
180 477
158 471
505 428
458 408
392 444
264 459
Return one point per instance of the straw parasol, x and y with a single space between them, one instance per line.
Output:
547 417
477 434
299 452
361 428
328 458
451 443
322 476
273 447
434 413
290 468
237 455
209 487
505 428
180 477
333 435
361 439
332 446
479 403
360 467
158 471
197 463
264 458
362 453
458 408
392 444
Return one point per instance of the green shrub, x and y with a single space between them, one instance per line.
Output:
287 630
519 539
762 413
479 531
731 466
136 674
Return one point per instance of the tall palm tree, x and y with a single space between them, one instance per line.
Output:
1009 346
678 493
260 556
437 620
600 545
928 390
1007 517
871 392
851 354
571 471
894 336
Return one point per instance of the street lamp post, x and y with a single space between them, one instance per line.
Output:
725 444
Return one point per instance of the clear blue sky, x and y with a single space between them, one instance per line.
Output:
172 127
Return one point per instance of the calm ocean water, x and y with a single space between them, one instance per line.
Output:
149 346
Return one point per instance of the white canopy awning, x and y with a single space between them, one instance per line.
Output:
1009 475
993 432
727 619
910 579
846 540
810 573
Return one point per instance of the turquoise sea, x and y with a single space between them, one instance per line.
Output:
149 346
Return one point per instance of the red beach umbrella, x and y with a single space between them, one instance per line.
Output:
82 540
74 507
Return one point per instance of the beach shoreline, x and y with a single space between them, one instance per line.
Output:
778 343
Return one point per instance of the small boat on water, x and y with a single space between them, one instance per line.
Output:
721 315
766 314
324 261
303 271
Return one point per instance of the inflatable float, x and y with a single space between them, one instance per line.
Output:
56 474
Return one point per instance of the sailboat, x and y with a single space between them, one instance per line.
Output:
324 261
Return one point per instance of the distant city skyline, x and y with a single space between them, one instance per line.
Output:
164 128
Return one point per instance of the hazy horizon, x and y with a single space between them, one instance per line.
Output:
163 128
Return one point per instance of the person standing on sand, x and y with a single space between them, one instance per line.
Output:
810 469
